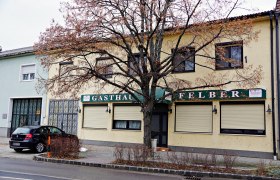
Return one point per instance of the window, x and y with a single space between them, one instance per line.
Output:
28 72
195 118
229 55
42 131
105 67
133 63
238 118
54 130
127 117
64 68
95 117
184 60
132 125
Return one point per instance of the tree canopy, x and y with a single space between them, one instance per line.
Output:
132 45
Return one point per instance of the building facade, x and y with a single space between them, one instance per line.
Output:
20 104
242 121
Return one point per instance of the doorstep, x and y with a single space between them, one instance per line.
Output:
163 149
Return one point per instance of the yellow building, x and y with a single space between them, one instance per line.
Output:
238 120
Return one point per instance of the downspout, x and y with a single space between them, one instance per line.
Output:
277 68
272 86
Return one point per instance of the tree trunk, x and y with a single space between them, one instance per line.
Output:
147 113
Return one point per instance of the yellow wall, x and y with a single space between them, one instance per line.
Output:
257 52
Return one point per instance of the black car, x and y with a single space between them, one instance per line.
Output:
34 137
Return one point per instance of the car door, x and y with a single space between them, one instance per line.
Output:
41 135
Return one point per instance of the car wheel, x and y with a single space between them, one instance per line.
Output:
18 150
40 147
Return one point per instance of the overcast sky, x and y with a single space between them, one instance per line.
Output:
21 21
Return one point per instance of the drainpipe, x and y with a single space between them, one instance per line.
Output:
277 68
272 86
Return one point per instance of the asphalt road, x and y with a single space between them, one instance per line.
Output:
22 169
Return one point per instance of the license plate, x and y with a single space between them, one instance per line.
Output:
16 144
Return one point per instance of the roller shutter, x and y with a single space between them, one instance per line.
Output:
242 116
95 117
127 113
27 69
194 118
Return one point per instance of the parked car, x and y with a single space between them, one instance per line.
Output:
35 137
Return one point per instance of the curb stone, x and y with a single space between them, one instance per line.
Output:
187 173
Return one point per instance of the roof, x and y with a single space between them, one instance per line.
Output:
254 15
17 52
234 18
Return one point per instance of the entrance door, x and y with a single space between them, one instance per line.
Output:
26 112
160 128
64 115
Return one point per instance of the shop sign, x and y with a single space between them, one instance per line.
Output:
184 95
221 94
107 98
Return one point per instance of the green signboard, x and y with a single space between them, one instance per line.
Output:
221 94
184 95
107 98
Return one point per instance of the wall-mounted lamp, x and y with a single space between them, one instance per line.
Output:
215 109
170 110
108 110
268 109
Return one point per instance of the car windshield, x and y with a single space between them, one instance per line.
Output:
21 131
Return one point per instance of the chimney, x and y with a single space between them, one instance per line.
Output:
277 8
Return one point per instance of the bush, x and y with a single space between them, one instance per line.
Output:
229 160
119 153
261 169
65 147
137 153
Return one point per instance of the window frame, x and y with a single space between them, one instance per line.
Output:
63 63
242 131
29 74
225 45
127 124
180 50
130 71
106 75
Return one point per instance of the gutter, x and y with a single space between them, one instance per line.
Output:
272 87
276 14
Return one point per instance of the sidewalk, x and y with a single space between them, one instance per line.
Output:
102 156
4 140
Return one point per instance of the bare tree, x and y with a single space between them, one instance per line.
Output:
157 30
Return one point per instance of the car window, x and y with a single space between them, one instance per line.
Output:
42 130
54 130
22 131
